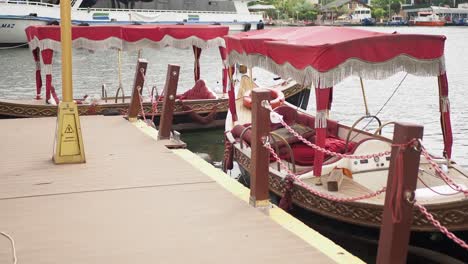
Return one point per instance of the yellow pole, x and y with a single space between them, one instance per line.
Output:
66 38
364 96
69 146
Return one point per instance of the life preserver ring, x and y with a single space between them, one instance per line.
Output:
277 98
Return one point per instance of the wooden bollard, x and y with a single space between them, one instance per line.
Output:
170 91
138 84
394 237
259 196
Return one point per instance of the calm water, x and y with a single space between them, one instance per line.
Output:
415 101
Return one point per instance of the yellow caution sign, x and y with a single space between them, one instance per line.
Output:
69 142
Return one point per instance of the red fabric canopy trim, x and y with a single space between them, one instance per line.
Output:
129 37
331 54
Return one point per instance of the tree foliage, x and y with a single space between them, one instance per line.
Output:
285 9
392 6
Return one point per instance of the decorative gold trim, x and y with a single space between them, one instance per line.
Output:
454 215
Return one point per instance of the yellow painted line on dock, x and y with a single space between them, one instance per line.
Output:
287 221
146 129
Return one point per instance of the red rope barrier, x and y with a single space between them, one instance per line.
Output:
315 192
442 229
442 175
396 194
326 151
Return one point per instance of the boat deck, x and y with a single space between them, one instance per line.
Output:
371 181
134 201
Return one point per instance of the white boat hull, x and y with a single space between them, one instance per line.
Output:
16 17
12 30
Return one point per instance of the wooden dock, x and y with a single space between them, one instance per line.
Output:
135 201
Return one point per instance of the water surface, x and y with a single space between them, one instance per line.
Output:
416 100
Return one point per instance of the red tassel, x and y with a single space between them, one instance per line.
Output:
286 200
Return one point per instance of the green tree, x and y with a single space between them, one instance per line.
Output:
291 9
386 6
378 13
395 7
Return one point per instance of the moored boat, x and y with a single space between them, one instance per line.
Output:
397 20
199 107
305 149
427 19
17 15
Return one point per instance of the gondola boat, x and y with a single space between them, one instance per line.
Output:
323 57
203 108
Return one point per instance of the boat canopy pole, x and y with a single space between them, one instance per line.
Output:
364 96
222 51
444 108
232 95
196 67
323 97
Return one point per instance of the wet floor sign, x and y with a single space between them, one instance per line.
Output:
69 142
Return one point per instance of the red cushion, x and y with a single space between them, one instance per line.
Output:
289 114
237 131
303 154
199 91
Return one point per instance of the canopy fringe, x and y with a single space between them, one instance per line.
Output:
445 104
119 44
351 67
321 119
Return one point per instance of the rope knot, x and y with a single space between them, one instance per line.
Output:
397 193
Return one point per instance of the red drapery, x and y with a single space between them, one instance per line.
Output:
323 98
37 59
444 105
325 48
47 59
196 69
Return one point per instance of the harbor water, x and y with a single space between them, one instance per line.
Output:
402 97
415 100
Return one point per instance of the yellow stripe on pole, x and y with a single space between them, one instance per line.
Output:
66 39
69 147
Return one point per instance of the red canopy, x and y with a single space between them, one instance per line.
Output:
324 56
330 54
129 37
44 40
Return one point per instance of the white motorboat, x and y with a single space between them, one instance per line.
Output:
17 15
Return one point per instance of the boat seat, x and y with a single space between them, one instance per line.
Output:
292 116
302 123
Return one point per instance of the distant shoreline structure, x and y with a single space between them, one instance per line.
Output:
17 15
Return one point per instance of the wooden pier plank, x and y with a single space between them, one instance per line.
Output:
134 201
118 157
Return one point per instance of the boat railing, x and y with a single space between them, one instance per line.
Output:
40 3
23 2
153 11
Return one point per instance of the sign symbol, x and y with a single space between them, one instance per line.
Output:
69 129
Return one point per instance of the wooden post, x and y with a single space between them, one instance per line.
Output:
259 196
170 90
138 84
394 237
